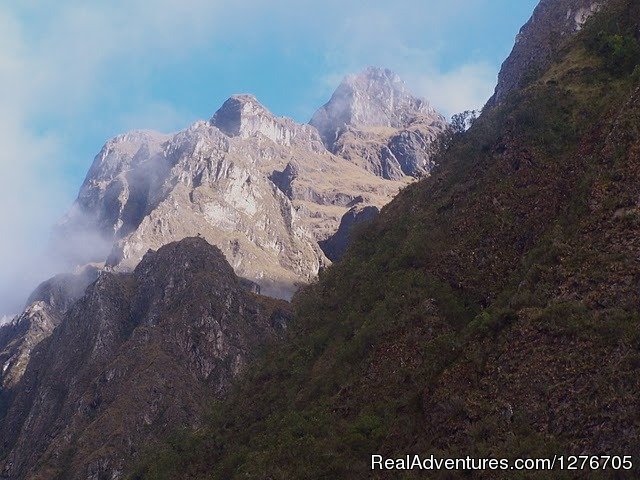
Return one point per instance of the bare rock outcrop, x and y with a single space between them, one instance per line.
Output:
139 355
44 310
263 188
335 246
375 122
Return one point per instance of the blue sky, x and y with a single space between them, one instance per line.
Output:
74 73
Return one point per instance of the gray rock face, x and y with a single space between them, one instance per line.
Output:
373 98
62 291
539 38
262 188
138 355
413 148
284 180
335 246
243 116
124 177
374 121
45 308
20 337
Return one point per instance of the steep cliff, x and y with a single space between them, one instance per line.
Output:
137 356
44 310
540 39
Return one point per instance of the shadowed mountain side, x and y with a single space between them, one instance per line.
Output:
137 356
335 246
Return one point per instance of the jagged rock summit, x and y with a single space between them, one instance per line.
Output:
374 121
244 116
375 97
263 188
138 356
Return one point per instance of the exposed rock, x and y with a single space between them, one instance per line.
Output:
62 291
262 188
20 337
539 39
335 246
45 308
114 197
284 179
375 122
373 98
4 319
414 149
139 355
243 116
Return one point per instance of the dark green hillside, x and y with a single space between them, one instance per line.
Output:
491 309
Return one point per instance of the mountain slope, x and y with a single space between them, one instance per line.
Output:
552 22
45 308
490 310
137 356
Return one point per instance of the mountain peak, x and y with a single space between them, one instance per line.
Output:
378 74
374 97
540 38
244 116
232 116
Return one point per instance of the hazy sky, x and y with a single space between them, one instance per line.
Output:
74 73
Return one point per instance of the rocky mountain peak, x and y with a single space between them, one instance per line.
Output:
244 116
122 152
165 275
373 120
183 313
375 97
232 116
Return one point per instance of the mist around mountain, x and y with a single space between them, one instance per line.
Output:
488 310
263 188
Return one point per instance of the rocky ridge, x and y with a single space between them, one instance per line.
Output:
45 308
375 122
263 188
137 356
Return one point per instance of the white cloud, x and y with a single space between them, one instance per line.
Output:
467 87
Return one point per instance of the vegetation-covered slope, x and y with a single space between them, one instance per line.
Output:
490 310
